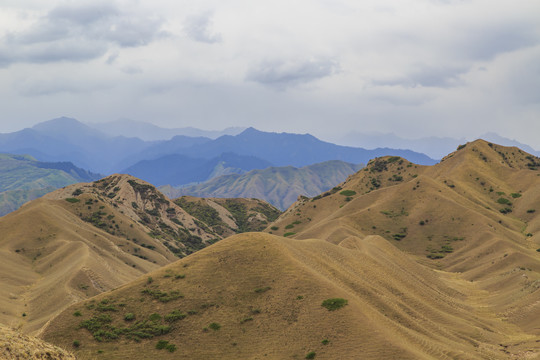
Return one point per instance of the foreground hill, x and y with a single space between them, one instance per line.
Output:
280 186
14 346
23 178
88 238
475 215
399 261
262 296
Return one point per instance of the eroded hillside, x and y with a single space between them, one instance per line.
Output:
89 238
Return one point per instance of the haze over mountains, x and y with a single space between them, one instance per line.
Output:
434 147
399 261
66 139
280 186
150 132
22 178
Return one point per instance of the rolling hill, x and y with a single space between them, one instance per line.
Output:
23 178
87 238
399 261
280 186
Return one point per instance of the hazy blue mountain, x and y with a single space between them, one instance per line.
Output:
282 149
178 169
160 149
279 186
66 139
23 178
433 146
150 132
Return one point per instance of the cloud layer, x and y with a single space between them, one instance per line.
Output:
415 67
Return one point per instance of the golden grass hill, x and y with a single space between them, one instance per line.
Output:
400 261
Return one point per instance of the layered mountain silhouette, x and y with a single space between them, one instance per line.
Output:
280 186
150 132
181 169
399 261
66 139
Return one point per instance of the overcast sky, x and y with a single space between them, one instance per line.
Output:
455 68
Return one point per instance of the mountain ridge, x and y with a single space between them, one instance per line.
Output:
279 186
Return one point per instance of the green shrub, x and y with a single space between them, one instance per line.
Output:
334 303
446 249
530 211
290 226
162 344
274 228
310 355
72 200
398 237
515 195
175 315
504 201
76 343
505 210
325 342
129 316
77 192
77 313
348 192
214 326
289 234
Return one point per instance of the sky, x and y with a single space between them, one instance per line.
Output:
455 68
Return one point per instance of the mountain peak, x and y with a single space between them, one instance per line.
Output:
495 155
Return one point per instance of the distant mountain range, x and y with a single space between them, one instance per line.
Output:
66 139
434 147
176 169
280 186
23 178
150 132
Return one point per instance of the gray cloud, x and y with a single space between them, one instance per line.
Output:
282 74
199 28
84 14
487 42
78 33
427 76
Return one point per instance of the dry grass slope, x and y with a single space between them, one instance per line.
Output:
15 346
255 296
474 215
85 239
